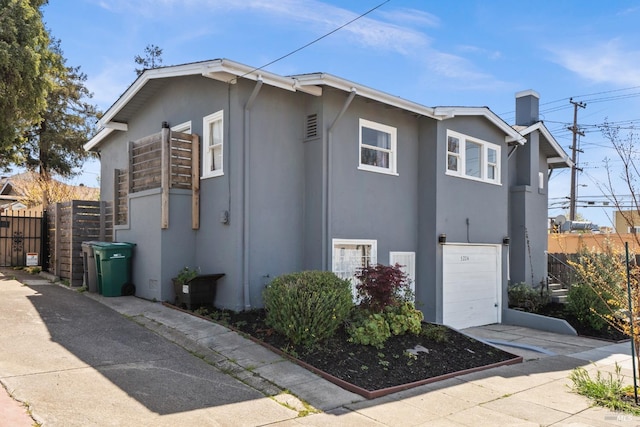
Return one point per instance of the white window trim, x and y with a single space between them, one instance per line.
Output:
393 151
206 121
373 260
484 158
182 127
395 257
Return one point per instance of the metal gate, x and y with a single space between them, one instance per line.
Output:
23 239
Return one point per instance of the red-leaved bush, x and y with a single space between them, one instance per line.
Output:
381 286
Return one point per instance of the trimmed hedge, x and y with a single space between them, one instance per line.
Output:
307 307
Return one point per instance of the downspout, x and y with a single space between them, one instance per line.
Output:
328 182
244 176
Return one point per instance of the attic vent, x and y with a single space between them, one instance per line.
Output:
312 126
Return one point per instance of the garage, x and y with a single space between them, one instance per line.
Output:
471 282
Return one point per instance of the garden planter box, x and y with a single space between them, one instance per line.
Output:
197 292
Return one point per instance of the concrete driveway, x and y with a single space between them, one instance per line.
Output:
82 359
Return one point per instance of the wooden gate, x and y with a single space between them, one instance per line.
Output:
23 239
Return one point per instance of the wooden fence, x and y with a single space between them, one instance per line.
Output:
70 224
163 160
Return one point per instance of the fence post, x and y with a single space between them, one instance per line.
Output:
195 182
101 233
57 236
165 174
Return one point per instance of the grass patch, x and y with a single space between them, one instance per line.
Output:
606 390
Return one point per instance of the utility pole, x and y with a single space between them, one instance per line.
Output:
574 149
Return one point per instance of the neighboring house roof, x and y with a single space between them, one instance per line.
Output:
12 190
556 156
151 81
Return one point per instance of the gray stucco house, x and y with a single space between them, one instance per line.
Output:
316 172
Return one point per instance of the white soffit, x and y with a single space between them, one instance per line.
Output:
511 134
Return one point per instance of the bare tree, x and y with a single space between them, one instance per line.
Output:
625 146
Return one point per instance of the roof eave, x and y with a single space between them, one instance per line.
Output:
511 135
562 157
323 79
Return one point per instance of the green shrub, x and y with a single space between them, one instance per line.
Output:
587 306
530 299
404 318
372 329
437 333
307 307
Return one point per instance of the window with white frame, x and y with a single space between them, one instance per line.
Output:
472 158
378 147
349 255
182 127
212 146
407 261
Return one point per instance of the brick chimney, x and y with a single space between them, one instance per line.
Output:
527 107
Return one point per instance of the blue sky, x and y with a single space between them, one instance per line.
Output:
463 53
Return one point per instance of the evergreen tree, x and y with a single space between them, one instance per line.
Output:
55 144
152 58
25 59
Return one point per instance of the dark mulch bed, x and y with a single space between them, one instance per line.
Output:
368 367
558 311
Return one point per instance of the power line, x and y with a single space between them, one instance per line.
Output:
313 41
563 107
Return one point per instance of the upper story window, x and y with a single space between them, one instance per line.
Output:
212 146
472 158
378 147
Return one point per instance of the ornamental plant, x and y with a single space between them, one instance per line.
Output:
381 286
186 274
307 307
602 293
386 307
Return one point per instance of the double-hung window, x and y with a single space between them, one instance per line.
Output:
349 255
378 147
472 158
212 147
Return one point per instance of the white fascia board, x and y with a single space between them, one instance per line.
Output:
155 73
117 126
562 155
564 160
97 138
228 71
320 79
511 134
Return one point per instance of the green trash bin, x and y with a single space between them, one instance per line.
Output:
113 267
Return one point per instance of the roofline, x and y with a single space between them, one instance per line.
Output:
229 72
97 138
562 155
320 79
451 112
218 69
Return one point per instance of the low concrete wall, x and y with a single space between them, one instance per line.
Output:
537 321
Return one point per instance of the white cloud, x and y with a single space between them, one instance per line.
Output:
461 70
605 62
407 16
387 29
495 54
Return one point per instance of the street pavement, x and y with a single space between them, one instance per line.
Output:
77 359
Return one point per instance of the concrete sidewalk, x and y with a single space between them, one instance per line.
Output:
78 363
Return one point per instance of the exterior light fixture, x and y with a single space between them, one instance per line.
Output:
442 239
506 240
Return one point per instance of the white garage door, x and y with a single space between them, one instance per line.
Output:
471 294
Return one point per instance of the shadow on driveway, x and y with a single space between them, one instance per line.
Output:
158 374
